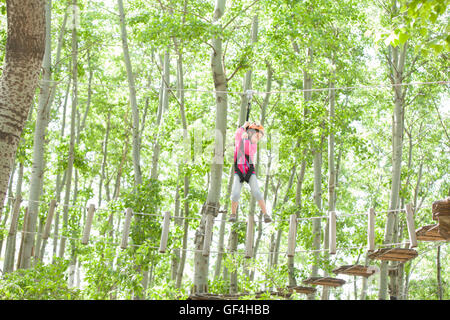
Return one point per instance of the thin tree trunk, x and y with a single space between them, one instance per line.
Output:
70 161
25 46
438 273
133 101
397 67
59 183
8 208
220 245
105 154
257 167
163 106
331 174
8 265
42 119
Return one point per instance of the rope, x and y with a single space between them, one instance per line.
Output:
52 235
373 86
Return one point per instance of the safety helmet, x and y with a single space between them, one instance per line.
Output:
257 127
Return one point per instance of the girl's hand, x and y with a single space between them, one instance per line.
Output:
246 124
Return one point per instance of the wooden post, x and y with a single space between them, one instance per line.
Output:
48 222
292 235
47 227
371 230
88 224
25 222
411 227
249 236
126 228
165 232
332 232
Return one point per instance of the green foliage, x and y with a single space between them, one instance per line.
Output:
105 281
42 282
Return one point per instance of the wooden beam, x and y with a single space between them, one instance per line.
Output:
88 224
164 232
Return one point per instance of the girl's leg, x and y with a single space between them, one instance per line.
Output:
253 182
235 194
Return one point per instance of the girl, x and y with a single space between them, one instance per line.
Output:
246 140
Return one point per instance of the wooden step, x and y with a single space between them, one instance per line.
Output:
394 254
324 281
356 270
429 233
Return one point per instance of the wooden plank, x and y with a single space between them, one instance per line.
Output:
394 254
249 236
164 232
292 235
88 224
356 270
126 228
325 281
410 225
332 232
371 230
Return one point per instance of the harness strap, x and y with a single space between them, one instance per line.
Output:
251 168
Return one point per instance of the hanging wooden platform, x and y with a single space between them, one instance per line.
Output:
324 281
301 289
429 233
441 214
236 296
356 270
394 254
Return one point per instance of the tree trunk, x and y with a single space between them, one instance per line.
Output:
438 273
42 119
25 46
105 154
59 183
72 129
212 202
163 106
258 159
331 174
397 68
133 101
8 265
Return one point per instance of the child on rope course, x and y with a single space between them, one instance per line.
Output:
246 140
